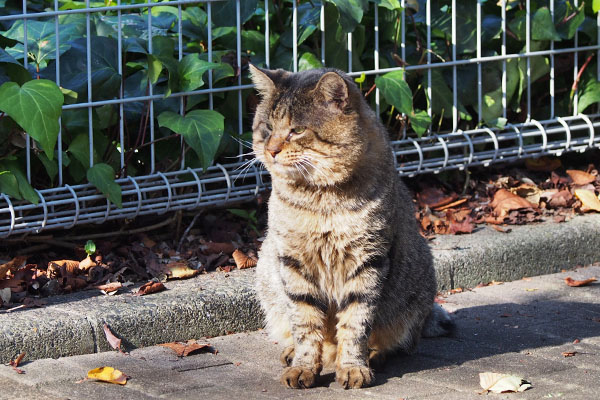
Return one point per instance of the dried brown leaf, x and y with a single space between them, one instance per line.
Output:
242 260
574 283
434 197
180 270
529 192
12 265
110 287
149 288
86 264
505 201
581 177
15 363
183 349
112 340
450 205
568 353
62 267
589 200
466 226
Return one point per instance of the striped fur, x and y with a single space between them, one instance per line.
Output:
343 275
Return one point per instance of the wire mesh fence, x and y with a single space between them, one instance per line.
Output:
86 48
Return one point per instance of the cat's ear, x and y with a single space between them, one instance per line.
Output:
261 79
334 89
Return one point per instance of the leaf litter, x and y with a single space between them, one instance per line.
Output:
530 192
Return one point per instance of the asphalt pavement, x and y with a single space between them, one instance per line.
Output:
524 328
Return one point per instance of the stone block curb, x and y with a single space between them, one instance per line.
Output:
219 303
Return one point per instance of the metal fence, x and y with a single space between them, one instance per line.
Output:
66 206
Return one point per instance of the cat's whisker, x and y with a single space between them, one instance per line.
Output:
252 153
246 167
318 169
245 143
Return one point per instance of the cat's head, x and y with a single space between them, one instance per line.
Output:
306 127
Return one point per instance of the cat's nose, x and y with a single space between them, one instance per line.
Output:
274 152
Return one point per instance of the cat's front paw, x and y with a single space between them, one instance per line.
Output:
298 377
287 356
354 376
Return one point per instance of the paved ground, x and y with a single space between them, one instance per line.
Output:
521 328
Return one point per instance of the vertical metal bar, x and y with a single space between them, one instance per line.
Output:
576 67
454 78
89 82
376 58
479 77
552 65
295 34
403 51
322 27
598 42
25 64
267 36
150 92
350 52
59 140
210 55
528 59
503 50
179 57
121 89
428 23
238 24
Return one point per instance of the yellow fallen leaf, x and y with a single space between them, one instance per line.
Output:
502 383
180 270
589 200
108 374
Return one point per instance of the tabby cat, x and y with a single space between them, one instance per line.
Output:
343 275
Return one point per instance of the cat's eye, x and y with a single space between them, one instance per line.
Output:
269 126
299 130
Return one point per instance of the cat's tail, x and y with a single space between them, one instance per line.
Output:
438 323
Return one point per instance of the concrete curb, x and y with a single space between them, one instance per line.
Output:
219 303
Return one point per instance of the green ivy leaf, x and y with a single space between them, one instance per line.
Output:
389 4
79 148
9 185
41 39
23 188
567 30
51 167
589 97
223 12
103 177
36 107
90 247
542 27
351 13
201 129
190 70
155 67
309 61
419 121
395 90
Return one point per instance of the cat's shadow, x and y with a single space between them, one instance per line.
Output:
485 332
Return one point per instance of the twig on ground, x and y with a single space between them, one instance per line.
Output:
187 230
124 232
